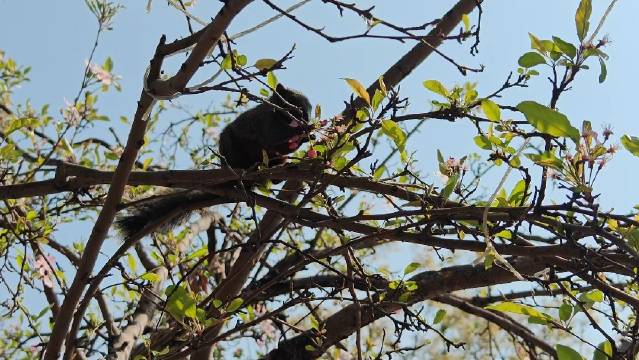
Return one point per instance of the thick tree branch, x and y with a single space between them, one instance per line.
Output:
430 284
147 306
134 143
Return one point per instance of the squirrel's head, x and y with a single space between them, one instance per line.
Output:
293 101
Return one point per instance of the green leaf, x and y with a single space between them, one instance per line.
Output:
393 285
271 80
201 252
405 296
450 187
547 159
392 130
32 214
131 261
241 60
538 320
603 352
536 44
565 47
226 63
411 267
382 85
379 172
553 49
108 64
439 316
531 59
377 99
339 163
555 55
436 87
265 64
548 121
152 277
581 18
466 21
593 296
566 353
604 71
565 311
518 193
234 304
515 308
180 302
314 323
483 142
10 153
492 111
631 143
489 260
359 89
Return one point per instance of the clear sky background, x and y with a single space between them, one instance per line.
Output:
55 37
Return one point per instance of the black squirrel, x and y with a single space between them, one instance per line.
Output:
274 128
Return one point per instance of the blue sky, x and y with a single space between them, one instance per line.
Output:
58 37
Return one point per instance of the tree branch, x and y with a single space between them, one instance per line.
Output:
134 142
430 284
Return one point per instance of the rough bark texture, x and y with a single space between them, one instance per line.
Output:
342 324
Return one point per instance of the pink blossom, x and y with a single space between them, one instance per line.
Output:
268 329
442 177
455 165
452 163
340 129
71 113
311 153
101 74
43 265
293 142
212 132
590 134
343 355
601 162
552 174
607 131
295 138
465 166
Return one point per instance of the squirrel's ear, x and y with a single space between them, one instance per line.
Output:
280 89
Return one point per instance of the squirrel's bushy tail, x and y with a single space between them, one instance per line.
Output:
169 210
